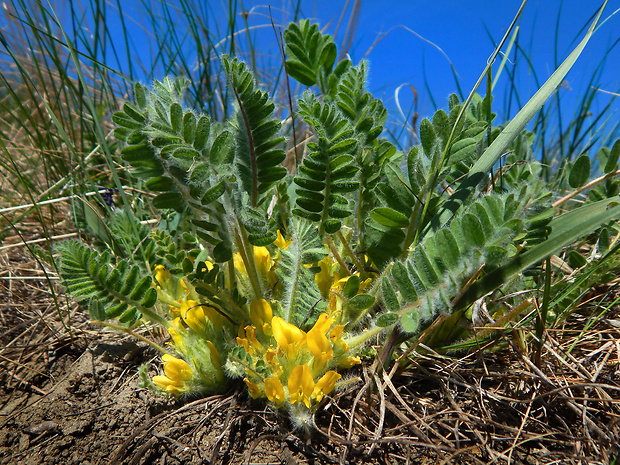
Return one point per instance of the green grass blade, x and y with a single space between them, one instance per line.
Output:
565 229
478 172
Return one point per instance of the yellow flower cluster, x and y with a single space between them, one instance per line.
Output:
279 360
191 327
288 364
177 373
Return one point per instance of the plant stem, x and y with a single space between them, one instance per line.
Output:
246 250
358 264
360 339
334 251
131 333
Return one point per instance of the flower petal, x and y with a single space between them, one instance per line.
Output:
300 385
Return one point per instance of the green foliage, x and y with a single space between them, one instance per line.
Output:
357 239
445 153
109 290
311 55
328 171
434 272
299 303
257 154
580 171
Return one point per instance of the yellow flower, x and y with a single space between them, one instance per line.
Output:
247 340
335 335
349 361
250 334
168 385
274 390
270 358
176 368
300 385
162 276
261 315
289 337
325 277
177 371
174 311
176 336
269 355
365 285
318 343
339 284
215 359
262 260
325 385
323 323
335 296
193 315
280 242
243 342
320 347
336 332
255 391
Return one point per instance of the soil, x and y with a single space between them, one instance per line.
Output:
70 394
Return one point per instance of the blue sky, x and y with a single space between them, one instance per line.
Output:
461 29
408 54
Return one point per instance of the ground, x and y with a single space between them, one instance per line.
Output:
70 394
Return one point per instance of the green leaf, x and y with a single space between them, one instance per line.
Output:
189 127
472 230
262 240
389 295
141 288
221 148
351 287
150 297
176 117
387 319
139 91
160 184
389 217
565 229
462 149
612 161
172 200
129 317
116 310
403 282
213 193
410 321
300 72
222 252
362 301
332 226
203 128
580 172
96 310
